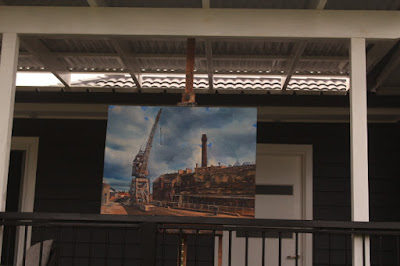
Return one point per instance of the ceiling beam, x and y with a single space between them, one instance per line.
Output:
122 48
388 69
40 51
200 22
317 4
377 52
225 57
97 3
292 65
210 64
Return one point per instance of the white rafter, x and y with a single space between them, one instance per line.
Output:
40 51
210 64
122 48
291 66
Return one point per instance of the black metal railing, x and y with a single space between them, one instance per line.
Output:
90 239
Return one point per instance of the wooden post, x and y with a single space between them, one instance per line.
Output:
189 97
359 146
8 72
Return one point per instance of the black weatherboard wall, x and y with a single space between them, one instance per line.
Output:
71 156
70 163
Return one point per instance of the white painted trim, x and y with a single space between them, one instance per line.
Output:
306 153
8 71
201 22
31 147
359 145
265 114
28 183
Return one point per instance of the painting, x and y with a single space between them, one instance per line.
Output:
180 161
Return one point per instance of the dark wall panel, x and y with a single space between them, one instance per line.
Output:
70 163
71 156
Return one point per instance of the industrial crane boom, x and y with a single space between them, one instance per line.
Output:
139 165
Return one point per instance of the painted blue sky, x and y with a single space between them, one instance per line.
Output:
231 134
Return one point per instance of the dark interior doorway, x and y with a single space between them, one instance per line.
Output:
12 204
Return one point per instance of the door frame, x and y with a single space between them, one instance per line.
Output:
306 153
30 145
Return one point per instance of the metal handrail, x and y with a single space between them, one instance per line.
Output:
233 223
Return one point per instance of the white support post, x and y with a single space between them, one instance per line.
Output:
8 72
359 149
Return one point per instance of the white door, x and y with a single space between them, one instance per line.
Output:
284 191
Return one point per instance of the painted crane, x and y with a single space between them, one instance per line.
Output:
140 185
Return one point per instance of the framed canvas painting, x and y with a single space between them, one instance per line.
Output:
180 161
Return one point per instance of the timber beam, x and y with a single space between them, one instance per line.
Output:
201 22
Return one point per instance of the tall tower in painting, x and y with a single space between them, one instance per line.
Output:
204 150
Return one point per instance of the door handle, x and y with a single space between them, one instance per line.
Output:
293 257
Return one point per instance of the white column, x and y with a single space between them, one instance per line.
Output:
359 142
8 70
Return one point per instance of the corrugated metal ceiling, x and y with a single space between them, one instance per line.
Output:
169 55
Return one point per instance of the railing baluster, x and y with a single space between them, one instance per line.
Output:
297 249
25 244
41 246
107 245
380 252
263 248
195 248
74 246
90 246
398 250
280 249
163 247
156 233
363 248
8 254
180 248
213 245
329 249
230 249
345 249
58 247
124 246
247 249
